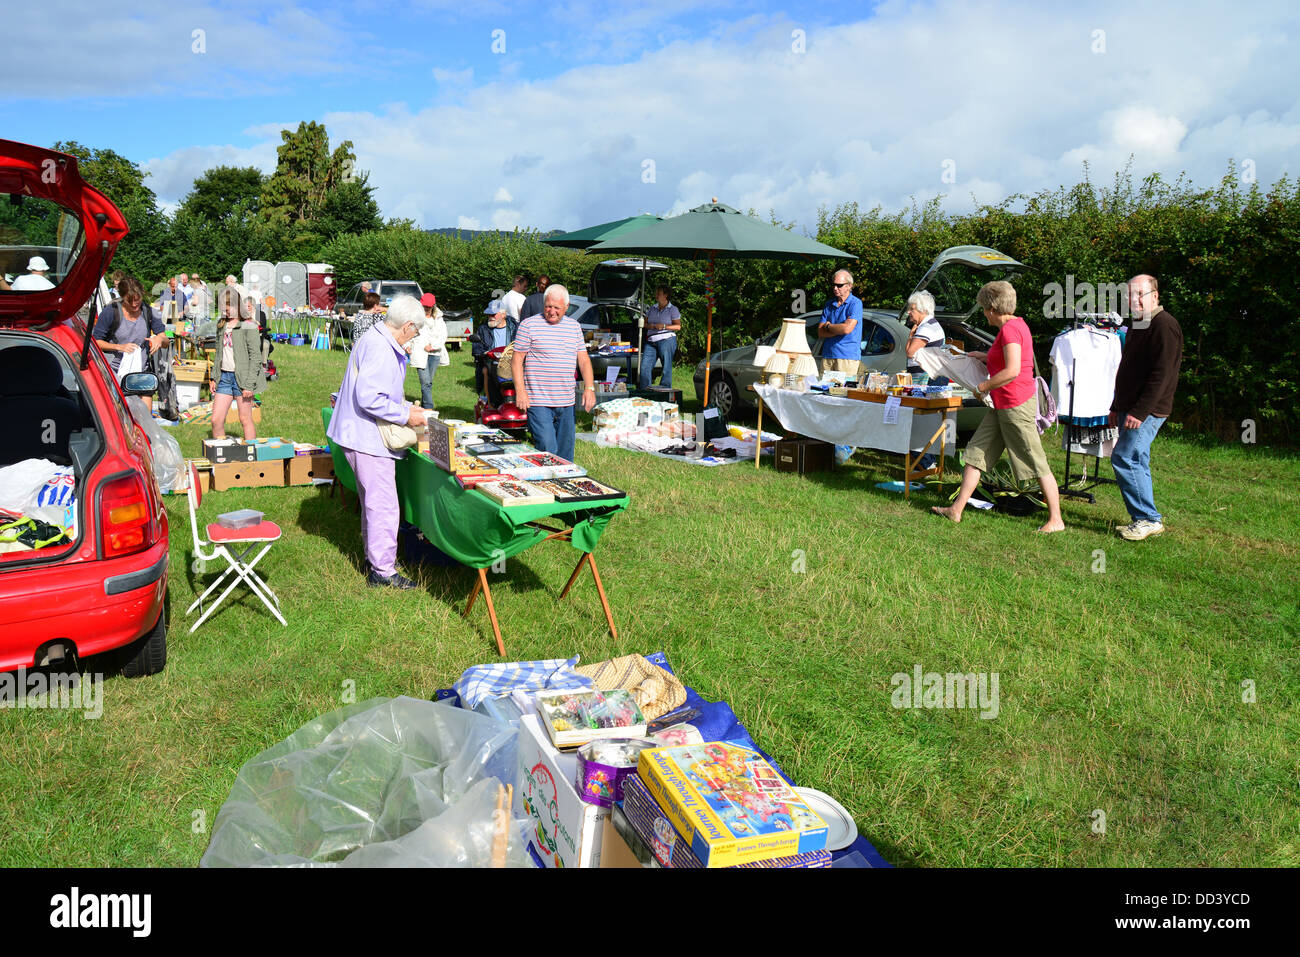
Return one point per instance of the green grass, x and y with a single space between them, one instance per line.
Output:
1119 690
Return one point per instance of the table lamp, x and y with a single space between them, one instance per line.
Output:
776 369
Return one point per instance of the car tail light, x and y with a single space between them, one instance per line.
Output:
125 519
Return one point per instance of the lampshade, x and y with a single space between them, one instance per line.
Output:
762 354
791 338
779 363
803 365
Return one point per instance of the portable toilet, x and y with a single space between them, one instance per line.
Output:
322 292
259 278
290 284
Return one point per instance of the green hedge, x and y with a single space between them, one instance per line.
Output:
1225 260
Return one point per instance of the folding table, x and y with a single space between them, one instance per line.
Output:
477 531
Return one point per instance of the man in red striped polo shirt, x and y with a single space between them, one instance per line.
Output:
548 348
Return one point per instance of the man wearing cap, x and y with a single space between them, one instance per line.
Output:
34 279
548 348
428 348
497 332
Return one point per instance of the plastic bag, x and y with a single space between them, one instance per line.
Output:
389 782
167 460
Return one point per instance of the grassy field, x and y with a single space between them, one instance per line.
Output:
1126 670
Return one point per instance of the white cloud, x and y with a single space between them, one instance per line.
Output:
1008 97
468 222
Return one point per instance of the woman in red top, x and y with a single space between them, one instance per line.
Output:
1009 426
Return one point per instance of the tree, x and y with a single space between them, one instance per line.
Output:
305 173
349 208
225 191
145 251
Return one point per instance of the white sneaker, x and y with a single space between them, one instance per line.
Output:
1139 530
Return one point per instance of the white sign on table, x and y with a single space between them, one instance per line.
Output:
892 405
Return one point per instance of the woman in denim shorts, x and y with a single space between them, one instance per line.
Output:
239 364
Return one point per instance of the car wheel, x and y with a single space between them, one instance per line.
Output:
148 656
722 395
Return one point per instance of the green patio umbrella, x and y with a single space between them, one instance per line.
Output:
585 238
716 230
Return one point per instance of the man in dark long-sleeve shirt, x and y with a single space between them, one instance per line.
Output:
1144 399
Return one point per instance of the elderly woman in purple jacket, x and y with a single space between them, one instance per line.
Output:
373 392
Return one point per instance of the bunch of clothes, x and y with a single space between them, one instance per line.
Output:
38 505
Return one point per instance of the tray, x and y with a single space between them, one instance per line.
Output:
909 402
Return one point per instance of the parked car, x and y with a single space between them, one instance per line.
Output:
460 322
387 289
105 592
953 279
619 292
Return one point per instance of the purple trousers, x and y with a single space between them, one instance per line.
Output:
377 489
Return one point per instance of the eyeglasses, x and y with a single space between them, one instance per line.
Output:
840 285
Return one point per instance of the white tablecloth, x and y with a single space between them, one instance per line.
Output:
843 421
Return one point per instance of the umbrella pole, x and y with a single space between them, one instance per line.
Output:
640 329
708 336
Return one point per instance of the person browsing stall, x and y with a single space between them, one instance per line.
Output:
533 304
128 325
663 321
841 327
428 349
548 348
1144 398
1010 425
373 393
239 342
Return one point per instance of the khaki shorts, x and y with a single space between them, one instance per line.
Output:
1012 431
841 365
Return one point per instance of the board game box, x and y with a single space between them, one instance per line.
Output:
670 849
730 805
573 718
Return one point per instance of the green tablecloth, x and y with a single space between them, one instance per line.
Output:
473 529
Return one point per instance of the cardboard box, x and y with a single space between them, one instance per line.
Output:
272 448
247 475
804 456
566 831
303 469
222 454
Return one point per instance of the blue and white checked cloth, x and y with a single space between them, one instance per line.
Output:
494 681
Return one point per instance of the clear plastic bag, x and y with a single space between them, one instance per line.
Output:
167 459
389 782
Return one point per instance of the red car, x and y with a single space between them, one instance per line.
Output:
101 586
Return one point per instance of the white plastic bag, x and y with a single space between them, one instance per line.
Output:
131 362
389 782
168 462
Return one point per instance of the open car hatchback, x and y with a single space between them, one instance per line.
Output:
83 531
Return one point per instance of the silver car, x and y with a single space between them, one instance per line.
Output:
953 279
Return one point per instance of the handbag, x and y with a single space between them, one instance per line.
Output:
398 438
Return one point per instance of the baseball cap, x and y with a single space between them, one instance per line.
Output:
494 307
428 299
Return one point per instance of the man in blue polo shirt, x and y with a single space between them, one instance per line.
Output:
841 327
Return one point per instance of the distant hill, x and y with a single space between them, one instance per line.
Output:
474 233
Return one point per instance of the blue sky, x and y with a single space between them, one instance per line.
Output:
568 114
